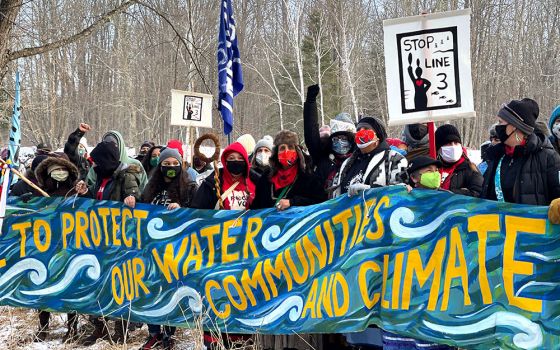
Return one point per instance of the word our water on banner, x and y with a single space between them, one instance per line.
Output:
432 80
430 265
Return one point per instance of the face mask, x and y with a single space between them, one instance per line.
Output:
60 175
236 167
170 171
556 130
198 164
81 151
288 157
103 173
365 138
431 179
341 146
262 158
502 133
154 161
451 154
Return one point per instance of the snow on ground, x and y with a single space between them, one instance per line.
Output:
18 326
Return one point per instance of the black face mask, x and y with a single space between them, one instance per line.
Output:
103 172
502 133
236 167
171 171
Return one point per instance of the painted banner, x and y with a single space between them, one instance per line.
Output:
429 265
431 80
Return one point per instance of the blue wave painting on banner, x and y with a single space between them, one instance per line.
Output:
429 265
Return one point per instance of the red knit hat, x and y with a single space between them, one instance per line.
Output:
178 145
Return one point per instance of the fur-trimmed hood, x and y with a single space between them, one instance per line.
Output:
41 173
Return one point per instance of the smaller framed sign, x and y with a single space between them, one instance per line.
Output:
191 109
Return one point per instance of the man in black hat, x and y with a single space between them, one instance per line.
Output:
423 172
523 168
144 150
43 148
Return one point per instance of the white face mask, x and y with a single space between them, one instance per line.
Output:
262 158
60 175
451 154
556 130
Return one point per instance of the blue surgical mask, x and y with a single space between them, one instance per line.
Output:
341 146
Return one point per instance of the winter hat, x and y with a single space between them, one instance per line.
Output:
264 142
45 146
522 114
375 124
37 160
248 143
176 144
325 131
106 155
492 132
553 117
170 152
422 162
342 123
445 134
148 144
286 137
83 142
415 135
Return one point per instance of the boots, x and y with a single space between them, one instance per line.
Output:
99 332
43 331
72 332
121 328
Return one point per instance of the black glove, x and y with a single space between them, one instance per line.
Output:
312 92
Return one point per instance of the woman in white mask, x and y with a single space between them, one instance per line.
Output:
554 126
261 155
458 174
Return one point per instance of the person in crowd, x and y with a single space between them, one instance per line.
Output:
235 192
57 176
200 166
76 149
417 138
21 188
260 163
373 164
524 167
398 145
458 174
116 181
178 145
144 148
248 142
424 172
484 156
116 138
151 159
554 126
43 148
171 186
290 181
328 150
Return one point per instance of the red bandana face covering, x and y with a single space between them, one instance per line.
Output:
365 137
288 157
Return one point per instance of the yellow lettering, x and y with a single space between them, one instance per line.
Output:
126 214
311 301
397 274
139 215
372 236
169 263
364 287
342 218
231 281
254 225
67 227
195 254
22 227
340 281
279 271
452 271
254 281
115 212
209 233
227 241
482 224
208 289
37 225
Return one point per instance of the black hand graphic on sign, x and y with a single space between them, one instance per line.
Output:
421 85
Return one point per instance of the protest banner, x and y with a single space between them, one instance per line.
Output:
430 265
428 67
191 109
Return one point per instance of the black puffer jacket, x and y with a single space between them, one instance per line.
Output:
536 179
466 180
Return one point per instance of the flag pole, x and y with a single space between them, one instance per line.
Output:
21 176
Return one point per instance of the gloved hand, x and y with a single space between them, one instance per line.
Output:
554 211
312 93
356 189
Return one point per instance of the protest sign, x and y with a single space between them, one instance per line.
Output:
191 109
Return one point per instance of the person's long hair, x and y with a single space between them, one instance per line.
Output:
177 188
146 161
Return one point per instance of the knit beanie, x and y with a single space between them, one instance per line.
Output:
376 124
445 134
106 155
248 143
169 152
265 142
176 144
83 142
553 117
342 123
522 114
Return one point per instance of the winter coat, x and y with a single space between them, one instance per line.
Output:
21 188
71 150
466 180
257 172
52 187
535 179
125 159
553 139
180 190
306 190
382 167
320 149
122 184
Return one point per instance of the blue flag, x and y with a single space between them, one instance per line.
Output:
230 76
15 132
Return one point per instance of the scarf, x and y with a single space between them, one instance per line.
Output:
447 172
284 177
510 151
